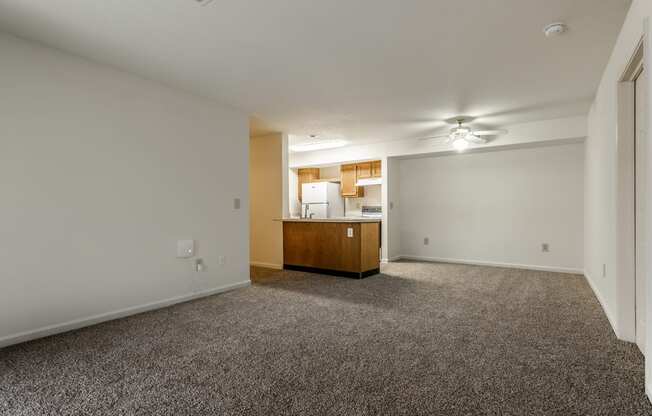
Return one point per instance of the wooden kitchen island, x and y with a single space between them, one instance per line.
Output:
341 247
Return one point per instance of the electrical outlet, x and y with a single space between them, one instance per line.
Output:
199 265
426 241
236 203
545 247
221 260
349 232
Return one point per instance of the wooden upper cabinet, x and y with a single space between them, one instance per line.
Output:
351 173
376 169
363 170
307 176
348 179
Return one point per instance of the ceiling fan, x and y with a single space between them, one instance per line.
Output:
461 136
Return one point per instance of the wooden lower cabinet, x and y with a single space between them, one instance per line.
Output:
325 247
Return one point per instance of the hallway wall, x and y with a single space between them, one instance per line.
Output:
601 182
266 190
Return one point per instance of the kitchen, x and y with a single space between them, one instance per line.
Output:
359 184
335 219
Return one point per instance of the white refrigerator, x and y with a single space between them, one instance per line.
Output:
322 199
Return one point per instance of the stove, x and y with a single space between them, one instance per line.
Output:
372 211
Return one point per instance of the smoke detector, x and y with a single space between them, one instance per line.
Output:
555 29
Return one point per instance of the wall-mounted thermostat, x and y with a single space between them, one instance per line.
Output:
185 248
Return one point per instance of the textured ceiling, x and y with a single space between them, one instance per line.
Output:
367 70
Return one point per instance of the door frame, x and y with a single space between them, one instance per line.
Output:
641 195
626 200
625 277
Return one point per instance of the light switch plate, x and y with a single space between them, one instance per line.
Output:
185 249
349 232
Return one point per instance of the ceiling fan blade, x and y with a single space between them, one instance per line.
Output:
475 139
441 136
489 132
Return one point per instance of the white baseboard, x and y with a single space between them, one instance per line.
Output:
603 303
108 316
391 259
266 265
493 264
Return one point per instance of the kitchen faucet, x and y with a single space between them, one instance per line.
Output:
307 205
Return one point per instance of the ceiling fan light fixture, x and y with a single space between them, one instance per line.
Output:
459 134
461 137
460 144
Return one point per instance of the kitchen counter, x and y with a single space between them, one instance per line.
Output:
338 219
338 246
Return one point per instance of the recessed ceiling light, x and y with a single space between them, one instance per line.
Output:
555 29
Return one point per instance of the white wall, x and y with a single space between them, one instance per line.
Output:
266 176
392 210
495 207
100 173
601 179
602 167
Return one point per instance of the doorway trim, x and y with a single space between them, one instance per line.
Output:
626 197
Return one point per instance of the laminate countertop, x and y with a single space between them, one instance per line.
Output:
340 219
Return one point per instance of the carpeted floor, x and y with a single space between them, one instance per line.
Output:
420 339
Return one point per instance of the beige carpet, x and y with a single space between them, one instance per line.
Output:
420 339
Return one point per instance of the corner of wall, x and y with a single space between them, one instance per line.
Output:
601 299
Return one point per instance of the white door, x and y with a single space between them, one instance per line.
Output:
641 190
